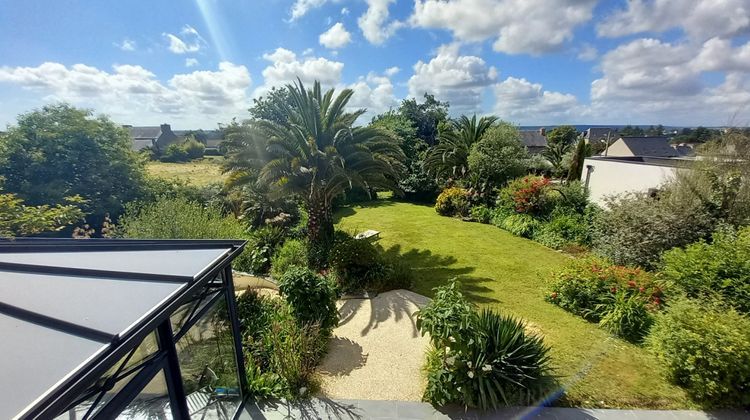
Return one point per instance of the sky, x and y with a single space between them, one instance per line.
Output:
198 63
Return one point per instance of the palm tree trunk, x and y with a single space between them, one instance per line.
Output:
319 230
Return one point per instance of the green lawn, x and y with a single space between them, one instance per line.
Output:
509 273
198 172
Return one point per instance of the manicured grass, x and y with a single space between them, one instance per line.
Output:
198 173
510 274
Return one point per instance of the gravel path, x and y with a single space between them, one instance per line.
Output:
376 352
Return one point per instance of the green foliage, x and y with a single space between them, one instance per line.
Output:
563 229
582 151
17 219
356 263
263 243
697 135
480 360
448 318
181 218
636 229
59 151
452 201
720 269
621 299
706 349
571 197
292 254
427 117
499 155
564 134
188 150
520 224
449 158
312 298
280 353
481 214
555 153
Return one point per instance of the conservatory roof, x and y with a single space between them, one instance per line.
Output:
65 304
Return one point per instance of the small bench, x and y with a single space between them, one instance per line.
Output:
368 234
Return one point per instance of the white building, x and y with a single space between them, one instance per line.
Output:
607 176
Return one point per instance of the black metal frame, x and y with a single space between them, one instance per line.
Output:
67 393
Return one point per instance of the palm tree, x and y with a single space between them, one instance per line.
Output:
555 154
316 154
449 158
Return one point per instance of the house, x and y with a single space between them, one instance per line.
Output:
534 140
600 136
156 137
641 146
615 175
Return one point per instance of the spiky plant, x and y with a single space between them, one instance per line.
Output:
449 158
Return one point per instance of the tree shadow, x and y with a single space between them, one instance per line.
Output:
437 270
316 408
344 356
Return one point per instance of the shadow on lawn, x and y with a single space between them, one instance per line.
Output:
436 270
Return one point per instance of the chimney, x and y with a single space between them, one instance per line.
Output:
166 128
543 131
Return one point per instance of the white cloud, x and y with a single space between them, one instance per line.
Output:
374 22
392 71
189 41
373 92
344 11
301 7
134 95
587 52
518 26
191 62
651 80
335 37
126 45
700 19
458 79
285 67
523 102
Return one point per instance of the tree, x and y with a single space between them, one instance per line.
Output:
17 219
270 107
316 154
581 152
499 156
449 158
564 134
427 117
60 151
555 153
630 131
655 131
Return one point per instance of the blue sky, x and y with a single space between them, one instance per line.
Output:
198 63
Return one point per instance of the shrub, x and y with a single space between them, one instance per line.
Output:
522 225
481 214
292 254
395 273
180 218
263 243
563 229
636 229
174 153
312 298
499 155
355 262
480 360
589 287
280 353
452 201
193 149
627 316
527 195
718 269
571 197
706 349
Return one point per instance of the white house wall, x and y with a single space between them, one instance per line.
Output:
613 178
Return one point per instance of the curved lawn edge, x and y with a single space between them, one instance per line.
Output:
510 274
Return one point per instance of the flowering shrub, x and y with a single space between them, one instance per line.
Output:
527 195
452 201
621 299
481 360
706 349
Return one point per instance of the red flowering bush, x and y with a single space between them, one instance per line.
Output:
528 195
621 298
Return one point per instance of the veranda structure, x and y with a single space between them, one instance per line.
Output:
97 329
